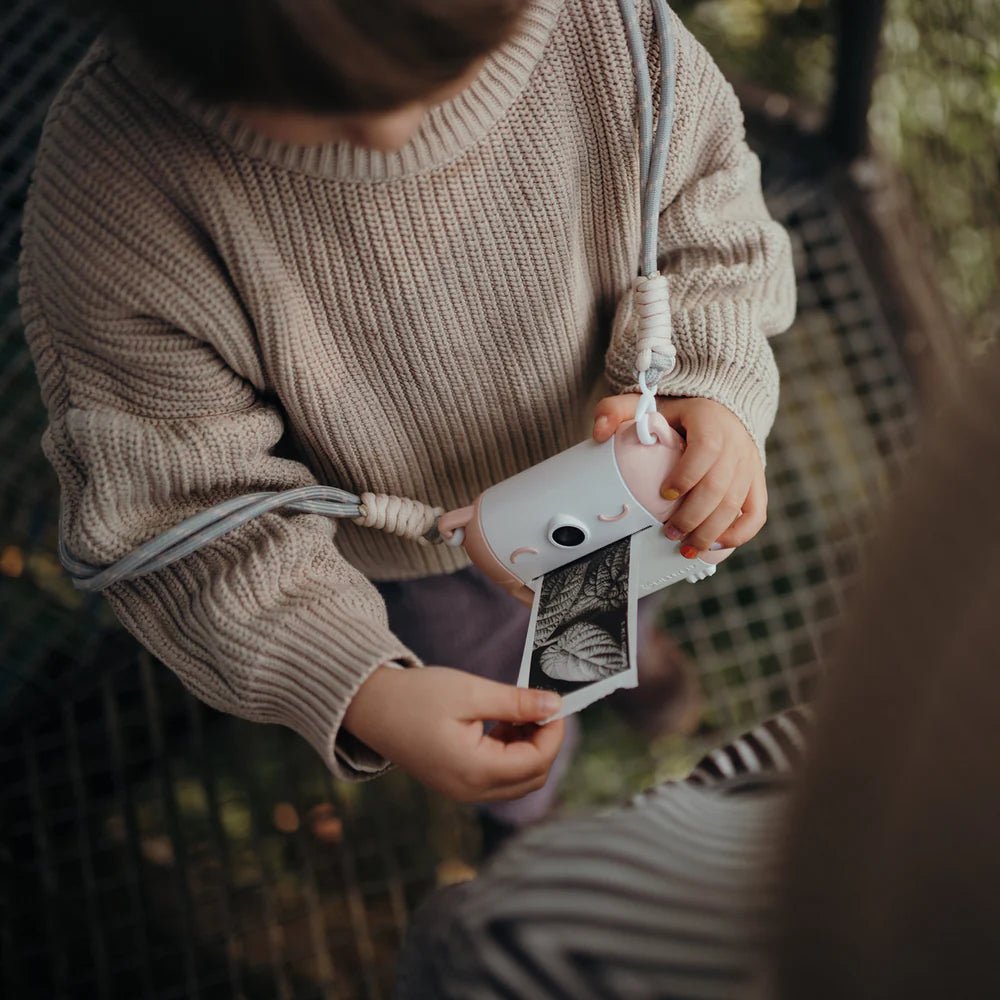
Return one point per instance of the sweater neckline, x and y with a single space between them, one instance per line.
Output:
446 131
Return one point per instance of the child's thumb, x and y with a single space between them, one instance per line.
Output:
612 411
506 703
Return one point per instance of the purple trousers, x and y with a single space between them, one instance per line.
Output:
465 620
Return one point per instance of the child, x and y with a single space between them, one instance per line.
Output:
376 246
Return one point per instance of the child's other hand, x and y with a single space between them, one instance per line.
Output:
429 721
719 479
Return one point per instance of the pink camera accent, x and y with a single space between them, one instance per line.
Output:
479 551
524 550
608 518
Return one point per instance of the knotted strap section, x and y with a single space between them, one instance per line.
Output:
654 331
399 516
643 330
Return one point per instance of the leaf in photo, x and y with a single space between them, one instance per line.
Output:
606 581
583 653
560 594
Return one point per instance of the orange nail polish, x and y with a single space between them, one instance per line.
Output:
669 494
689 552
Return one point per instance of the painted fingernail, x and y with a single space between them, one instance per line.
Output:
689 552
668 493
715 547
548 702
674 534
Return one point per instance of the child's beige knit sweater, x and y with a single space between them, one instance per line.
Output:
212 313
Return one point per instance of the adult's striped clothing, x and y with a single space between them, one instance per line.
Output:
671 896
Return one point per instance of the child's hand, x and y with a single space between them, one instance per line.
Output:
429 721
720 477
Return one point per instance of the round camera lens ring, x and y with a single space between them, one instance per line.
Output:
567 532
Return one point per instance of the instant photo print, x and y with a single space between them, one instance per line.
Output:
581 635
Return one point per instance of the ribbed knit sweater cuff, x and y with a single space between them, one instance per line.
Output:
304 690
303 672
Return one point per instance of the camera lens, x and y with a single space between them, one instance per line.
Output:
568 536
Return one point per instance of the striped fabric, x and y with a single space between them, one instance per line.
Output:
668 897
775 747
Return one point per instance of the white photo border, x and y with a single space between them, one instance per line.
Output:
576 701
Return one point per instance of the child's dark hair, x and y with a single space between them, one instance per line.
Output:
324 56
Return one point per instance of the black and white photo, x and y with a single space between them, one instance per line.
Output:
580 636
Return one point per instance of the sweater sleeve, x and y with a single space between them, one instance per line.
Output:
728 263
147 368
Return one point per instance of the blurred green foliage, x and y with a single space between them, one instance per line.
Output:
784 45
936 114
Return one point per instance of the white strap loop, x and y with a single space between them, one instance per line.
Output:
645 406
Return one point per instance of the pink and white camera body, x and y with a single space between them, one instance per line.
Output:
575 503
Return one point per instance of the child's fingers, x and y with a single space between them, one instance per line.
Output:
511 732
612 411
542 741
716 489
487 700
752 519
506 792
722 518
547 739
701 455
505 764
515 732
